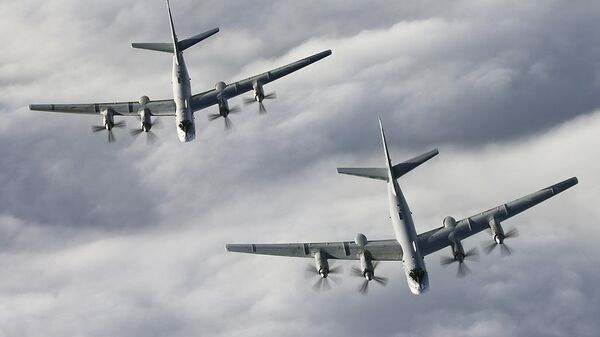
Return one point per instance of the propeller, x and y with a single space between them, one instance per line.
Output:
368 276
322 282
499 241
471 255
111 136
151 137
228 123
261 106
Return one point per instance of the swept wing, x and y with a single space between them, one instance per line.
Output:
157 108
429 242
210 97
439 238
380 250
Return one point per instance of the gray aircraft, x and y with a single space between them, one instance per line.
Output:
407 246
184 104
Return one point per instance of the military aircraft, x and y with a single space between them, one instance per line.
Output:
184 104
407 246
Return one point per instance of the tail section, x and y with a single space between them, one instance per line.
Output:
395 171
388 161
403 168
172 25
176 46
185 44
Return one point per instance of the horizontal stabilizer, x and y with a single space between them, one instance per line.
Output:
164 47
367 172
185 44
405 167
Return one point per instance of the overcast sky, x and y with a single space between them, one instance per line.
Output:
127 239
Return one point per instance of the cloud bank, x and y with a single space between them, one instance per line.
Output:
128 240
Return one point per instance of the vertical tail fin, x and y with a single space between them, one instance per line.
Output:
388 162
174 36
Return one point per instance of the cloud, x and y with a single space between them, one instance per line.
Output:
128 239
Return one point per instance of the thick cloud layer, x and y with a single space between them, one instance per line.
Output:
127 239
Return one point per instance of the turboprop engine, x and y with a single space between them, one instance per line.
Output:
458 252
146 123
321 268
224 109
259 96
367 266
108 123
499 236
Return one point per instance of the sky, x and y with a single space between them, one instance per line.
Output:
127 239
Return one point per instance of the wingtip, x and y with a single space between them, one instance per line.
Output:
565 184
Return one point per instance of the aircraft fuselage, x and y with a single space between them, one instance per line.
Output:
182 93
406 235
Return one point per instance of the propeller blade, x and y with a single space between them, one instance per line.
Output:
151 137
135 132
356 272
326 285
111 136
157 123
381 280
446 260
234 110
212 117
270 96
261 108
321 284
228 123
336 270
511 233
364 287
249 101
335 280
472 254
505 250
317 285
488 247
97 128
119 124
462 270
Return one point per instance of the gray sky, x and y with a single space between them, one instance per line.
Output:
128 239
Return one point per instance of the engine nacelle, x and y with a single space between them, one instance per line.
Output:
220 86
321 264
223 107
449 222
497 231
144 100
366 266
361 240
458 251
108 119
259 92
145 119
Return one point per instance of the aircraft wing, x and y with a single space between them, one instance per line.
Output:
380 250
157 108
438 238
208 98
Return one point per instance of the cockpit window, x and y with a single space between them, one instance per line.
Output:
417 275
